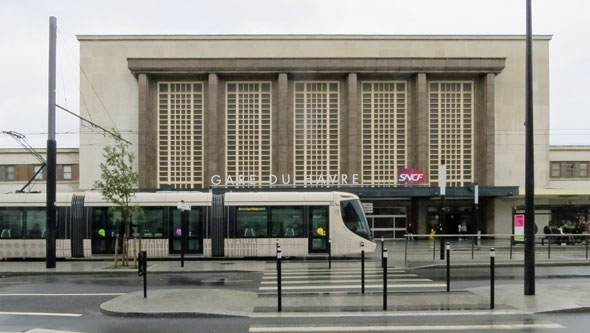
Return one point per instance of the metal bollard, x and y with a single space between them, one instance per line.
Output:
279 300
448 249
472 246
492 276
479 238
142 270
384 264
382 248
362 267
406 253
549 249
511 244
330 253
442 248
586 247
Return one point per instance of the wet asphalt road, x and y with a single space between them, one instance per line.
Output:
94 321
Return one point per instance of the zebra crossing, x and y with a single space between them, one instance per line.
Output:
344 279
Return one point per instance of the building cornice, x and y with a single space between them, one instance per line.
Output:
315 65
84 38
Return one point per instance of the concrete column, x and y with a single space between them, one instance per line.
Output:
280 134
418 137
213 135
354 128
147 137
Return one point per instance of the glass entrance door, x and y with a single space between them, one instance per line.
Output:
388 226
103 231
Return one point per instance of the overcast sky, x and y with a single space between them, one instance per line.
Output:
23 60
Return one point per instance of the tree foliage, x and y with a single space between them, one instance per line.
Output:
118 181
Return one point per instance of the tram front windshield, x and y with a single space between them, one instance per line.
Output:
354 218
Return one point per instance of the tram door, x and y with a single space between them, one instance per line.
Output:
103 231
319 218
388 226
195 231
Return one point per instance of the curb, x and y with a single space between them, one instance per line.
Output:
169 314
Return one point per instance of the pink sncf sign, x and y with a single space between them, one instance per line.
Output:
410 176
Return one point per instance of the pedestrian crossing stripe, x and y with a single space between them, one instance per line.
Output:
389 328
344 281
414 285
274 277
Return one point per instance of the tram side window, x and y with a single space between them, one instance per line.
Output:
251 222
35 223
11 223
287 221
151 223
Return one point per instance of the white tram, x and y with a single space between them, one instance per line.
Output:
233 224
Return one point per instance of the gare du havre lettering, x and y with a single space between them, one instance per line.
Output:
405 176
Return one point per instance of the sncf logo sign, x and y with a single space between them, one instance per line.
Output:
410 176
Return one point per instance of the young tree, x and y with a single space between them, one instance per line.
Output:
118 184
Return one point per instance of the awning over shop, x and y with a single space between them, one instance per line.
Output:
558 192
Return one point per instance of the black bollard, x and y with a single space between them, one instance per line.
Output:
330 253
142 270
492 277
549 248
511 244
382 240
472 246
183 235
363 267
586 247
280 305
448 266
384 264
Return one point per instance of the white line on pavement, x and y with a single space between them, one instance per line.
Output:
90 294
390 314
305 281
415 285
256 329
51 314
273 277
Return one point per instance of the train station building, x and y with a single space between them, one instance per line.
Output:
375 115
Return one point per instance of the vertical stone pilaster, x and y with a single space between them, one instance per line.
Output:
418 138
280 134
147 136
354 128
490 128
214 138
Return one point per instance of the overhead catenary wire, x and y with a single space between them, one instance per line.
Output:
93 124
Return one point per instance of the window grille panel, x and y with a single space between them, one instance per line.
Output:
180 134
384 131
248 132
317 150
451 131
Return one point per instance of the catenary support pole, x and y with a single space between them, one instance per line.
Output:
382 248
279 280
529 215
51 152
492 276
384 264
448 249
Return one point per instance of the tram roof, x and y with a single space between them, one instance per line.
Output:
33 199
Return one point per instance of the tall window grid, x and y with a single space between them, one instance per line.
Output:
180 134
316 131
384 112
248 139
451 131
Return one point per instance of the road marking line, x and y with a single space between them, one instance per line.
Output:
51 314
14 282
425 285
90 294
257 329
335 272
344 281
